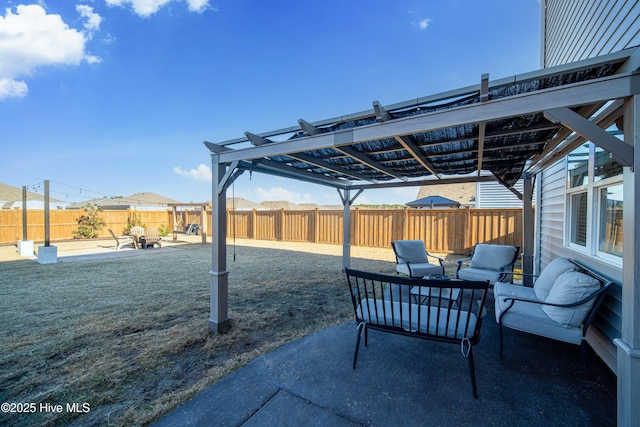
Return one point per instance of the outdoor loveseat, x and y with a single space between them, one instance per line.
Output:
560 305
440 310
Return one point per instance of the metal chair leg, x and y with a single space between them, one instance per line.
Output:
472 371
361 326
500 327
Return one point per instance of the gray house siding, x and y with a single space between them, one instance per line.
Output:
574 30
578 29
495 195
552 213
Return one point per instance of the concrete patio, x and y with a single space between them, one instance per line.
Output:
406 382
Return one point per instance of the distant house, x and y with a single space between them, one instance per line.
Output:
496 195
139 201
433 202
483 195
240 204
282 204
463 194
11 198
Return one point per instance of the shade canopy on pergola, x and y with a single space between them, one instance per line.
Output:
502 130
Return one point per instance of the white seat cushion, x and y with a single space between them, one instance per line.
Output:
440 322
419 269
549 275
569 288
482 275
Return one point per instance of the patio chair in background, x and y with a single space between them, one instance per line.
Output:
413 259
152 237
123 240
137 233
489 262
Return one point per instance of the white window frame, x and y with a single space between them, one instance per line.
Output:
592 190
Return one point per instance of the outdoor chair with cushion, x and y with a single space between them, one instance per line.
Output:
413 259
123 240
489 262
560 305
152 237
389 304
137 233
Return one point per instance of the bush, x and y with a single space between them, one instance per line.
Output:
133 221
164 230
89 224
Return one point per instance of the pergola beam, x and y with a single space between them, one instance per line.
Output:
481 130
559 146
326 165
308 128
426 181
621 151
276 168
373 164
382 115
583 93
415 152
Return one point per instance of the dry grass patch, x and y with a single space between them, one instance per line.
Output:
129 335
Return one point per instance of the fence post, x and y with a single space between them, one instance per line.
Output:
251 232
405 223
316 225
355 227
282 227
467 232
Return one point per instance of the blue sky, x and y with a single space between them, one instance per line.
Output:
115 97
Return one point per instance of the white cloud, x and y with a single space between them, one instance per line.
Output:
30 39
141 7
147 8
13 89
421 23
198 6
201 173
281 194
92 19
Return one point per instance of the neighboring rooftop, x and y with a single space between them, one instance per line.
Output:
145 199
282 204
434 202
11 197
464 194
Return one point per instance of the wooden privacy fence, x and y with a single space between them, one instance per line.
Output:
64 222
443 230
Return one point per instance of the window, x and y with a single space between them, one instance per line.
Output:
579 219
594 203
610 233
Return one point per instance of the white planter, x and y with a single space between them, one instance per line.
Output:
25 247
47 254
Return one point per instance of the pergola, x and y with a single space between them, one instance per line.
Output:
501 130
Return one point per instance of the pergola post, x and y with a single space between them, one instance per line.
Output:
527 230
347 201
346 229
218 276
628 345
